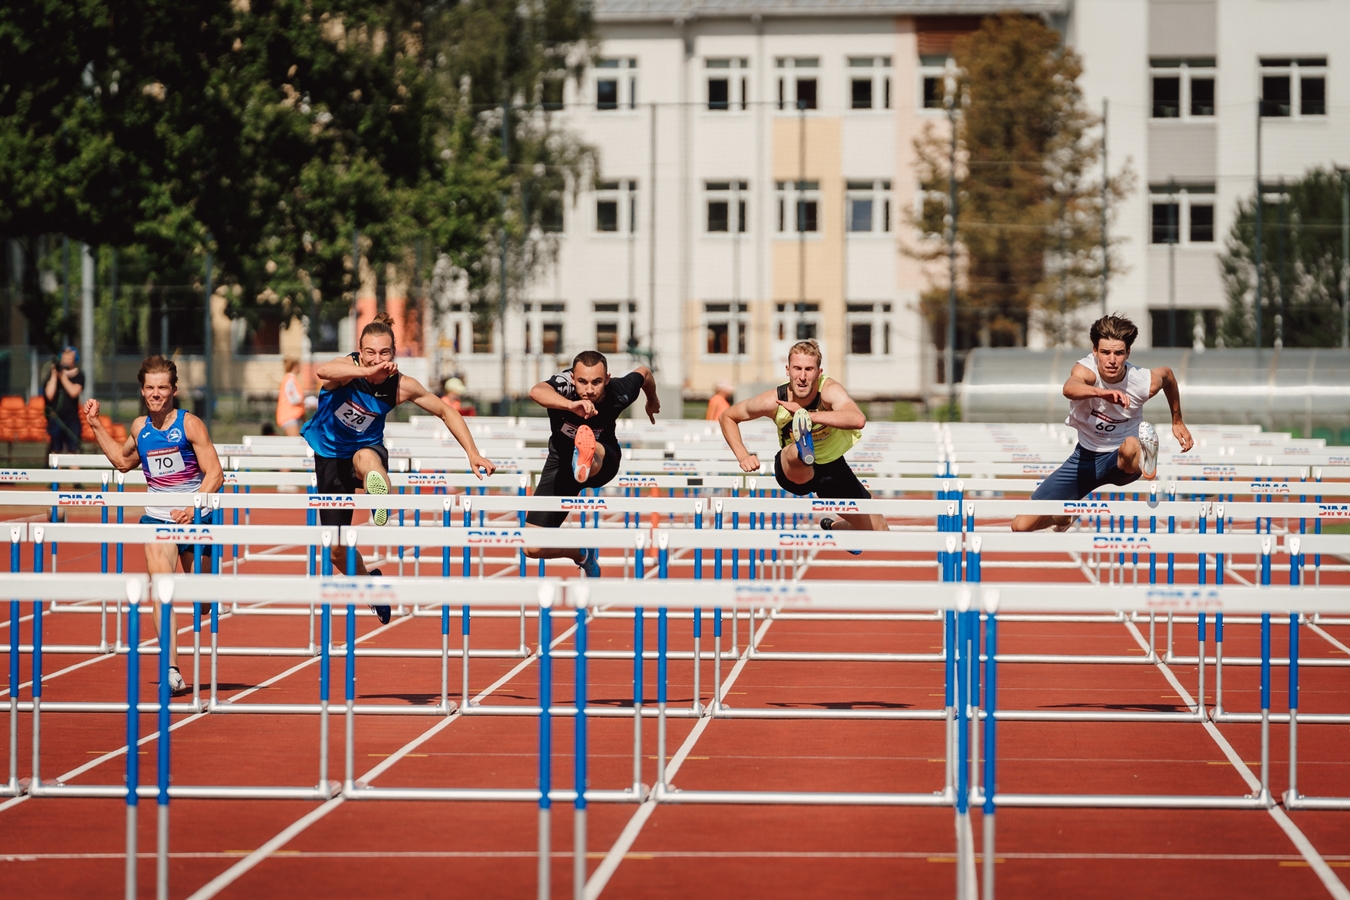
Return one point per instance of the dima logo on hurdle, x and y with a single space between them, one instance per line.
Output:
495 537
583 503
332 501
80 500
183 534
806 540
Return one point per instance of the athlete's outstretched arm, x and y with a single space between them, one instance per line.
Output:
1164 379
649 388
124 457
338 372
760 406
213 476
1082 385
412 389
843 412
548 397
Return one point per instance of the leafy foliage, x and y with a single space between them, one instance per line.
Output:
1028 212
272 132
1301 268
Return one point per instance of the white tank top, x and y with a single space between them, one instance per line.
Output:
1101 424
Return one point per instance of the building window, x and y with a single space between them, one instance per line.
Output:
551 92
482 337
868 206
724 328
797 82
726 205
1182 213
869 329
1183 327
1183 88
607 337
616 206
792 324
616 84
728 84
932 76
1291 88
869 82
551 338
798 205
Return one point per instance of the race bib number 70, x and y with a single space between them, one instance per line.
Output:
354 417
165 462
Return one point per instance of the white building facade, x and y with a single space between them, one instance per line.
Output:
757 173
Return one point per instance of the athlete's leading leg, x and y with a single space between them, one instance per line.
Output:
162 559
792 467
1130 457
370 467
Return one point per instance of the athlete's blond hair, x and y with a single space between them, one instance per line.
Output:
810 348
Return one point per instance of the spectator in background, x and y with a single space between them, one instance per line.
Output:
720 402
290 401
453 397
64 385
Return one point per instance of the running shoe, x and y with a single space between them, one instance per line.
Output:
376 484
1148 441
827 523
381 612
583 456
590 563
176 683
801 436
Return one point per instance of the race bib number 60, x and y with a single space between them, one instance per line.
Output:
354 417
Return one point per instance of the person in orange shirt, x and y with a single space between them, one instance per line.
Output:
290 401
453 397
720 402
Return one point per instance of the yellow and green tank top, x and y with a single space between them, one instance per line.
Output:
831 443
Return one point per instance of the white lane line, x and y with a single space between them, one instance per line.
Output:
936 855
1333 884
113 754
232 874
610 864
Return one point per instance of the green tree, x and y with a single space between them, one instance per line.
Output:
1029 196
1301 266
272 132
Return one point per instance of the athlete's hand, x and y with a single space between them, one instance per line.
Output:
181 516
1183 436
1120 398
584 408
481 465
91 414
653 407
790 406
750 463
386 368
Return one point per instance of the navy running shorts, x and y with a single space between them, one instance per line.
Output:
1082 473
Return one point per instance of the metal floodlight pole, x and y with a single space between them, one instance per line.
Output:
1281 226
1257 249
801 218
651 245
1172 262
1106 199
501 298
950 103
209 351
1345 259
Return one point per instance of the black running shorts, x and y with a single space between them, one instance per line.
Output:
556 481
339 476
833 480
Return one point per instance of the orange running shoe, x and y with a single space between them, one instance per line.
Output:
583 457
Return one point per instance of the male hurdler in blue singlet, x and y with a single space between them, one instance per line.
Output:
174 450
347 430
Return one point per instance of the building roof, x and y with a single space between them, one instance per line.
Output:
639 10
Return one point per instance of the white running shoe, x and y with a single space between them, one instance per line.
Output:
176 683
1148 441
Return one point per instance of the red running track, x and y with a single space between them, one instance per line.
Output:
73 848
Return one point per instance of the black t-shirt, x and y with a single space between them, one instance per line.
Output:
65 407
619 395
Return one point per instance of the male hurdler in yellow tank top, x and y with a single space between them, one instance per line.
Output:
817 423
